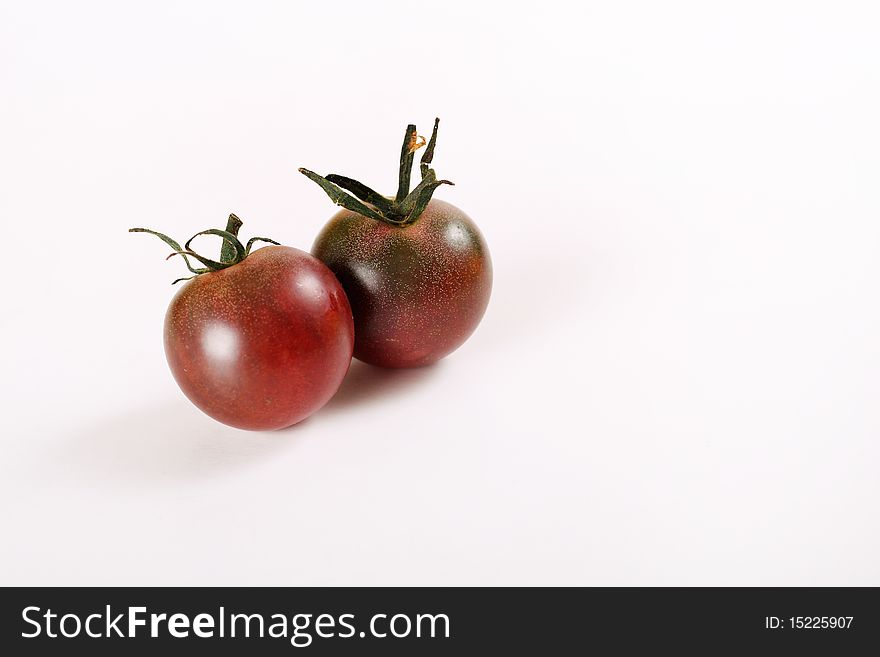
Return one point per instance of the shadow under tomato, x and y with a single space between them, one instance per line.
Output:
366 383
173 441
176 442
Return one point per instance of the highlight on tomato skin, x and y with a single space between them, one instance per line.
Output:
416 270
257 340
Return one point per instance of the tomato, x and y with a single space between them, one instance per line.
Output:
260 343
416 291
416 270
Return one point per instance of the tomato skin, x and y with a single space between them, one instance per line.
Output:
417 291
263 344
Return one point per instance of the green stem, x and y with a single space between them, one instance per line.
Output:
407 156
228 252
238 250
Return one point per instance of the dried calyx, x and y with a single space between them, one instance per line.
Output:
407 205
231 253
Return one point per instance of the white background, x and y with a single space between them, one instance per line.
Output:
676 381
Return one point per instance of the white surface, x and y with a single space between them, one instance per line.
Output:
677 378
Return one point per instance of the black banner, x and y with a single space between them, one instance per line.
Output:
437 621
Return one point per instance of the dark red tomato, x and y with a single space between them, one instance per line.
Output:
417 291
416 270
263 343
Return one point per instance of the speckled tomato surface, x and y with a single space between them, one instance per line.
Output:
264 343
416 270
417 291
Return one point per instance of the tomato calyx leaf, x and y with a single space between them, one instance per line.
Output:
340 197
253 240
232 251
227 257
428 155
407 205
371 196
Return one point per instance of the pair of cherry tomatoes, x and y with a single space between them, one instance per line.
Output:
261 339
